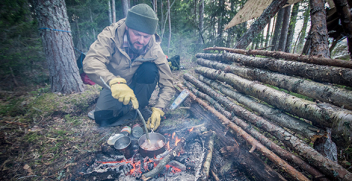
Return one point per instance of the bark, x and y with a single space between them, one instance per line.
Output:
113 11
278 25
296 125
260 23
344 13
284 29
322 92
319 33
161 165
209 152
320 114
261 123
315 158
319 73
307 45
289 56
255 144
250 162
125 7
303 30
58 46
291 28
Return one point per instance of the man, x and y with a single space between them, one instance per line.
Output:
128 57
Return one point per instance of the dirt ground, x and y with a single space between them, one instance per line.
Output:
42 133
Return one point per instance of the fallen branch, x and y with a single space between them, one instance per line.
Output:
160 167
318 91
266 152
289 56
319 73
280 133
321 114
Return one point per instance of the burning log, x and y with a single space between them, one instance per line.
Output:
207 162
255 144
260 122
160 167
289 56
322 163
323 115
306 130
236 153
320 73
322 92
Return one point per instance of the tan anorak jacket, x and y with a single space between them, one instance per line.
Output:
107 58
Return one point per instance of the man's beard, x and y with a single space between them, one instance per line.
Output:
131 46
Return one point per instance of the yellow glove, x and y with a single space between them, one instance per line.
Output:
154 120
121 91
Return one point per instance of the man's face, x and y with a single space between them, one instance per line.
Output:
138 40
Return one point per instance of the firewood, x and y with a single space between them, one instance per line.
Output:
323 164
209 155
252 164
269 154
289 56
256 119
318 91
160 167
321 114
298 126
319 73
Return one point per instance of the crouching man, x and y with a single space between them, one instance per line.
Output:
128 57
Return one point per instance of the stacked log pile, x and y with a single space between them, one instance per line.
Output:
295 100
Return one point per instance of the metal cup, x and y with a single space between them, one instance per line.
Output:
123 144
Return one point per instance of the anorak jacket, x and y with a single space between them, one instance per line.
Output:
107 58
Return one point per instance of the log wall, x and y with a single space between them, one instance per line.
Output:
293 101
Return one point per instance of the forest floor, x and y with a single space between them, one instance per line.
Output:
42 133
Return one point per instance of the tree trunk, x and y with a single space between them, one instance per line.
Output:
58 46
169 16
318 91
319 73
113 11
260 23
255 144
259 122
320 114
125 7
343 9
201 21
319 34
110 16
267 34
303 30
284 28
161 18
291 28
278 25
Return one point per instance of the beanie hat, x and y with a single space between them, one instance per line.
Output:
142 18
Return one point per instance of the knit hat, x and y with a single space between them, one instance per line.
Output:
142 17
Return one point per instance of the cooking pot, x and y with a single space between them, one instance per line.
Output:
123 144
154 137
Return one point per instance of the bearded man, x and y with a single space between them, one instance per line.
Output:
128 57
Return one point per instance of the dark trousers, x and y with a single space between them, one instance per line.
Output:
108 110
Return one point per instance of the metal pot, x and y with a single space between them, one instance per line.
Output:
123 144
154 137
